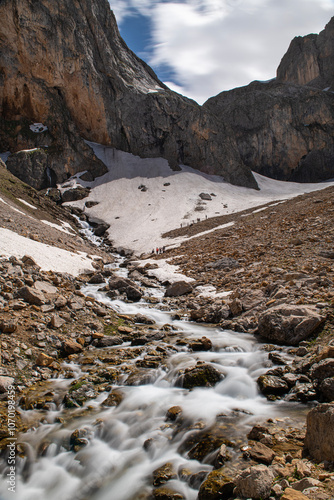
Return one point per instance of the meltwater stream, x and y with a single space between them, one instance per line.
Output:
125 444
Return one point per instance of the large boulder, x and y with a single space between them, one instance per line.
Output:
217 486
319 439
289 324
178 288
254 482
201 375
124 285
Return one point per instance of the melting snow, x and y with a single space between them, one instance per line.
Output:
38 128
48 257
139 216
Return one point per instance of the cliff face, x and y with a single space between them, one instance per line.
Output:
65 65
285 128
283 131
310 60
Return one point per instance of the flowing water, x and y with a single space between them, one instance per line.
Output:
125 444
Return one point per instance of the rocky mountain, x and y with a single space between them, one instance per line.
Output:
67 76
65 66
284 127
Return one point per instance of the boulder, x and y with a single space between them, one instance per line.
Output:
291 494
217 486
270 384
289 324
96 279
178 288
43 360
203 344
164 474
124 285
322 370
32 296
8 326
5 383
254 482
74 194
326 389
99 226
319 439
201 375
71 347
261 453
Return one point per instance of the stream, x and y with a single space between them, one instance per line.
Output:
126 443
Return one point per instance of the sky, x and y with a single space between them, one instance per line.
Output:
202 47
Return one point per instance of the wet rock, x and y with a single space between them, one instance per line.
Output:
254 482
319 439
165 493
201 375
203 344
124 285
164 474
96 279
32 296
289 324
303 392
257 433
178 288
78 439
217 486
173 413
204 444
261 453
114 399
271 385
222 457
140 318
99 226
5 383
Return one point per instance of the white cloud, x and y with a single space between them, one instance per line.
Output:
216 45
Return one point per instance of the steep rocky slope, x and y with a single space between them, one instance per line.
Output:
310 60
284 128
66 66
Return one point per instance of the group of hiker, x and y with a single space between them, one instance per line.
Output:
159 250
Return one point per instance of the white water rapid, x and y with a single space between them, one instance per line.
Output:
126 443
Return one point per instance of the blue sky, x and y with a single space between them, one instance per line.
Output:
202 47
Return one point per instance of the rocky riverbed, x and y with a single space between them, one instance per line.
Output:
70 355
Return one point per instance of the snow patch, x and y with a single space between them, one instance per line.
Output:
48 257
65 227
38 128
138 217
26 203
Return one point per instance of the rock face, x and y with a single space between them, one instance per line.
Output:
289 324
309 60
284 128
319 440
66 66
